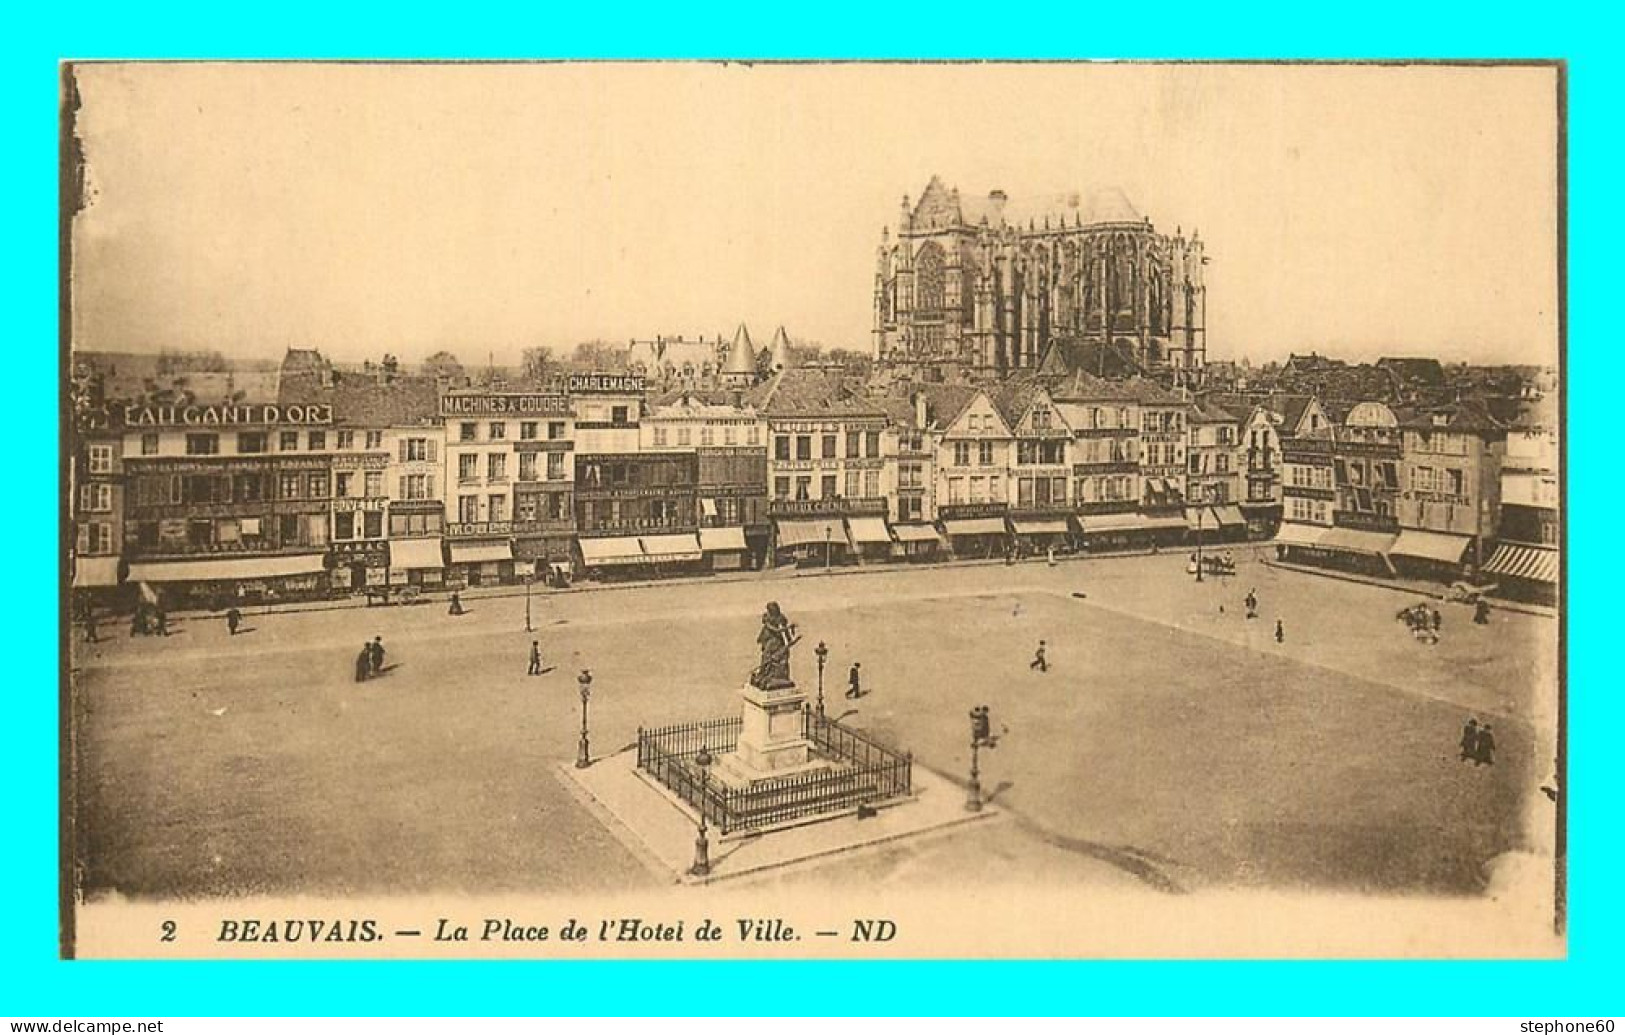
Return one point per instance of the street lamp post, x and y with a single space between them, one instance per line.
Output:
584 758
829 546
973 797
702 846
822 653
529 580
1200 510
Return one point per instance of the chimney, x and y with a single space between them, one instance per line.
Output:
995 201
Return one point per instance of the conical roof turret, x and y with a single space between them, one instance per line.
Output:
780 349
742 355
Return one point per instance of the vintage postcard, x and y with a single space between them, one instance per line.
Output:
854 510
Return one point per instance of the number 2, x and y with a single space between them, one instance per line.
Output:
169 931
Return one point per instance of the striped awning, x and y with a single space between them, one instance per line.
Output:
917 534
868 530
1294 534
95 572
717 540
806 533
1431 546
975 526
1514 560
680 547
1357 540
600 553
415 553
219 570
1229 514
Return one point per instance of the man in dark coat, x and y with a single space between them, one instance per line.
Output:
234 619
163 623
1040 662
1280 631
535 657
375 651
1481 613
1469 740
1484 750
1252 603
456 607
363 663
854 682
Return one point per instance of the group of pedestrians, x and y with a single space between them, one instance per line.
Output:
1423 622
370 662
1250 602
1477 743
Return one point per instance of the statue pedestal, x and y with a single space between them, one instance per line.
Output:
771 741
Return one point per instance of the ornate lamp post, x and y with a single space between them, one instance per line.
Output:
702 846
973 799
822 653
529 580
584 759
1200 510
829 546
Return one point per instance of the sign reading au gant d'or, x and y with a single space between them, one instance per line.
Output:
236 413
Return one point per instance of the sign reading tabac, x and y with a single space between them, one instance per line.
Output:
606 384
236 413
502 404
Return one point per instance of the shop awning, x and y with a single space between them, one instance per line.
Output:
94 572
1040 526
597 553
1170 521
1201 517
1431 546
1112 522
1295 534
1355 540
708 506
868 530
804 533
1156 484
415 553
717 540
1537 563
215 570
670 548
1229 514
975 526
481 553
917 534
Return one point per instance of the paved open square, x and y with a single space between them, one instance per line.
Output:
1172 744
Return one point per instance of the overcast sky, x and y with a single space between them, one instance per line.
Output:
363 209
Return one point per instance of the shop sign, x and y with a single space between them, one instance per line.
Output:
606 384
951 511
502 404
247 414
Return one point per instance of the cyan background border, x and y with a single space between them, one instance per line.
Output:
33 982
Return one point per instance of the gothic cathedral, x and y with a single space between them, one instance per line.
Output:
967 292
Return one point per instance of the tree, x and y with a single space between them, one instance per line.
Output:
533 363
443 364
598 355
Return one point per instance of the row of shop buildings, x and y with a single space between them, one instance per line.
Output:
350 482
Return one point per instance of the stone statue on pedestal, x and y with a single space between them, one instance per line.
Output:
778 635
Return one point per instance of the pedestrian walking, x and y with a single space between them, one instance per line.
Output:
375 652
1484 749
363 663
1469 740
1481 613
1040 662
1052 556
1280 631
535 657
854 681
456 607
234 619
1252 603
1437 622
163 623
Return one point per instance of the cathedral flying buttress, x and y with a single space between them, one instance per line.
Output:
981 288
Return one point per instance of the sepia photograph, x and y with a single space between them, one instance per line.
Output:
668 510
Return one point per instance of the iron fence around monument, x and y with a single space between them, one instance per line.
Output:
866 771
